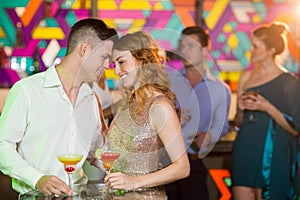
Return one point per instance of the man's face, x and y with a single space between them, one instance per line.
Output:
96 61
191 50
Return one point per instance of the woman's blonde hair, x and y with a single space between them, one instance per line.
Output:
150 58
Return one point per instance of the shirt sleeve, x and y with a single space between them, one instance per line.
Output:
98 141
13 122
219 124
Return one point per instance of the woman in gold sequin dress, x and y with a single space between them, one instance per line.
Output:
146 124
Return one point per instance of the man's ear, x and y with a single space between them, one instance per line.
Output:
207 49
84 48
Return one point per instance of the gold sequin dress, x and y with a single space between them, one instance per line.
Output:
137 142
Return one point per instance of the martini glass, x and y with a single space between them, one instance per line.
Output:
70 161
108 158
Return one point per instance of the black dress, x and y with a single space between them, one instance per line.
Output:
264 154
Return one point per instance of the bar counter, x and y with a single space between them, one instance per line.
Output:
95 191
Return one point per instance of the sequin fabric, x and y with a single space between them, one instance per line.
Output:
137 142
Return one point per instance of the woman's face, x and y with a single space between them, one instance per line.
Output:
126 67
258 50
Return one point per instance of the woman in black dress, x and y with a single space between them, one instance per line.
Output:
265 151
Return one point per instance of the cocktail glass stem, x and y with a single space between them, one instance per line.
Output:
252 117
70 181
70 161
108 158
108 188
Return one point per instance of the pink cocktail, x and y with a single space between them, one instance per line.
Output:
108 158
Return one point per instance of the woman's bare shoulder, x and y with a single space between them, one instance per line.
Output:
245 76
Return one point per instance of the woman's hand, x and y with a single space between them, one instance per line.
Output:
119 180
255 102
240 103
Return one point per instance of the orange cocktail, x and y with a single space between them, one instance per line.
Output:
70 161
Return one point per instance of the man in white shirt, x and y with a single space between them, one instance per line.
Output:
55 112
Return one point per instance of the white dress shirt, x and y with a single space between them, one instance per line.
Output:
103 94
38 122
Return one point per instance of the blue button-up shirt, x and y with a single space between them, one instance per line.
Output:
208 105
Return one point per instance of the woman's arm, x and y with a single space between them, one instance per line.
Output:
165 120
281 120
264 105
260 103
238 120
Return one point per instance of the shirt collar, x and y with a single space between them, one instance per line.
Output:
85 90
207 75
51 78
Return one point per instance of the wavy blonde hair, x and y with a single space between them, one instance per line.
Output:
151 76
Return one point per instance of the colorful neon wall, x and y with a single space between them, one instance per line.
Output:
44 36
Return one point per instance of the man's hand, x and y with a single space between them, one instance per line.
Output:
184 116
52 185
202 140
199 139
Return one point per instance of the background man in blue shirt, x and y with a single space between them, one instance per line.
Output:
203 103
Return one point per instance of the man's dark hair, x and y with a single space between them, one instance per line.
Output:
201 33
90 29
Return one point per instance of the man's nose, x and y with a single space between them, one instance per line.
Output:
185 52
117 70
106 64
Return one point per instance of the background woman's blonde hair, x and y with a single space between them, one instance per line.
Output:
150 58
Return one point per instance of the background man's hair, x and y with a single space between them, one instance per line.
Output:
201 33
